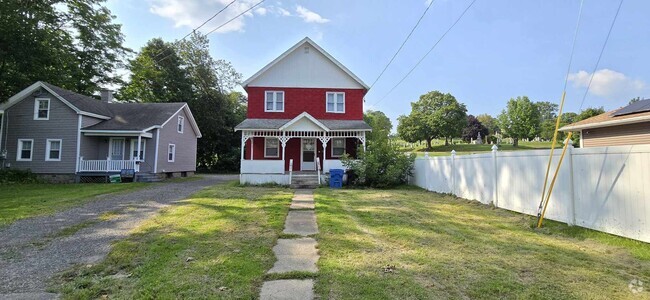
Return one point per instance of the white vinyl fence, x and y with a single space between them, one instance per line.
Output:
604 188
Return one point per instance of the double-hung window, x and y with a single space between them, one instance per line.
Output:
338 147
335 102
271 147
274 101
181 124
42 109
25 150
134 149
171 153
53 150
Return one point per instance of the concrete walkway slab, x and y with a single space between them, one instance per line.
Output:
303 195
295 255
288 290
302 204
301 222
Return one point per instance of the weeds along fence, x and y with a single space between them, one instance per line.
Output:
605 188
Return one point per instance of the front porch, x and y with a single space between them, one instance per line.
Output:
112 153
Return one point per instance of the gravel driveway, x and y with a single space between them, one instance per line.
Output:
31 252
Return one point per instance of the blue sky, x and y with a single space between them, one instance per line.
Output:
499 50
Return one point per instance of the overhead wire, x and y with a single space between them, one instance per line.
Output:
426 54
403 43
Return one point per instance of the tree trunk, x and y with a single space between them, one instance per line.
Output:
428 143
446 141
515 142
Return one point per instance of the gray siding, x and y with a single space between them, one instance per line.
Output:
62 124
185 146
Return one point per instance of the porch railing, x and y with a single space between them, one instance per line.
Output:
107 165
318 169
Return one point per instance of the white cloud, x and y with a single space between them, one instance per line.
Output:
283 12
609 84
261 11
310 16
191 13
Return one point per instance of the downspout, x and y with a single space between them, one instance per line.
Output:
2 151
155 162
78 144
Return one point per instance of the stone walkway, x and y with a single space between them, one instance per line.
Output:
295 255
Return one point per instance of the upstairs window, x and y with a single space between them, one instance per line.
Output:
42 109
181 124
25 149
274 101
171 153
338 147
335 102
271 147
53 150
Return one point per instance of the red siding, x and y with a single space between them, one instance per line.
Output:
310 100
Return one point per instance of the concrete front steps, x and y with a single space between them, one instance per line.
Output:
304 180
147 177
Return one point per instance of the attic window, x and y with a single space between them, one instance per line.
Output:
306 49
42 109
180 124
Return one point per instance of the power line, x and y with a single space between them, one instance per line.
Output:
591 78
199 27
220 26
403 43
428 52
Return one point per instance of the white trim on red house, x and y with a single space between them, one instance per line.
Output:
296 46
304 115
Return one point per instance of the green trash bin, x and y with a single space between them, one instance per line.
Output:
115 178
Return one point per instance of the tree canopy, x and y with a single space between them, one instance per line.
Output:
489 122
473 128
434 115
520 119
70 43
381 127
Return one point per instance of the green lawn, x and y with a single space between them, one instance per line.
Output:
413 244
464 149
18 201
216 244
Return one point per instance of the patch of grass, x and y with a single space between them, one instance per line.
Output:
109 215
412 244
71 230
18 201
216 244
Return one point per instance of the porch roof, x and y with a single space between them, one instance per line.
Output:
276 124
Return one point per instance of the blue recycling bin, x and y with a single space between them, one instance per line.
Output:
336 178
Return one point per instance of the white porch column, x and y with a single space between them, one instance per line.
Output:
139 149
283 141
324 140
252 147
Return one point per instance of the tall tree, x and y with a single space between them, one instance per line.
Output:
70 43
547 110
520 119
435 115
590 112
158 74
489 122
473 128
381 127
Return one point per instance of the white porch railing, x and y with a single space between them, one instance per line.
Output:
318 168
107 165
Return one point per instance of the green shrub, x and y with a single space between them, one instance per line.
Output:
17 176
381 166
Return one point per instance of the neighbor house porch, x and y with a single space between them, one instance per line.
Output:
111 152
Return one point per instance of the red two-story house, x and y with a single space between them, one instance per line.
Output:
305 110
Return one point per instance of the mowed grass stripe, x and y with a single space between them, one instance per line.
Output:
216 244
413 244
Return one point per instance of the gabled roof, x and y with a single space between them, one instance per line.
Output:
306 40
117 116
301 116
610 118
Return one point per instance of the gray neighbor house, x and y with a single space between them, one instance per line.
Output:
64 136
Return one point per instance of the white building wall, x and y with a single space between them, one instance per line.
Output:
608 191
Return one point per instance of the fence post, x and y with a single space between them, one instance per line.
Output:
572 205
495 175
453 172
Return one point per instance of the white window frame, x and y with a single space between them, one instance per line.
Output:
275 101
266 147
134 147
20 150
344 147
48 148
335 94
180 125
171 149
37 101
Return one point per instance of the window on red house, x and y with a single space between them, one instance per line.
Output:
274 101
335 102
